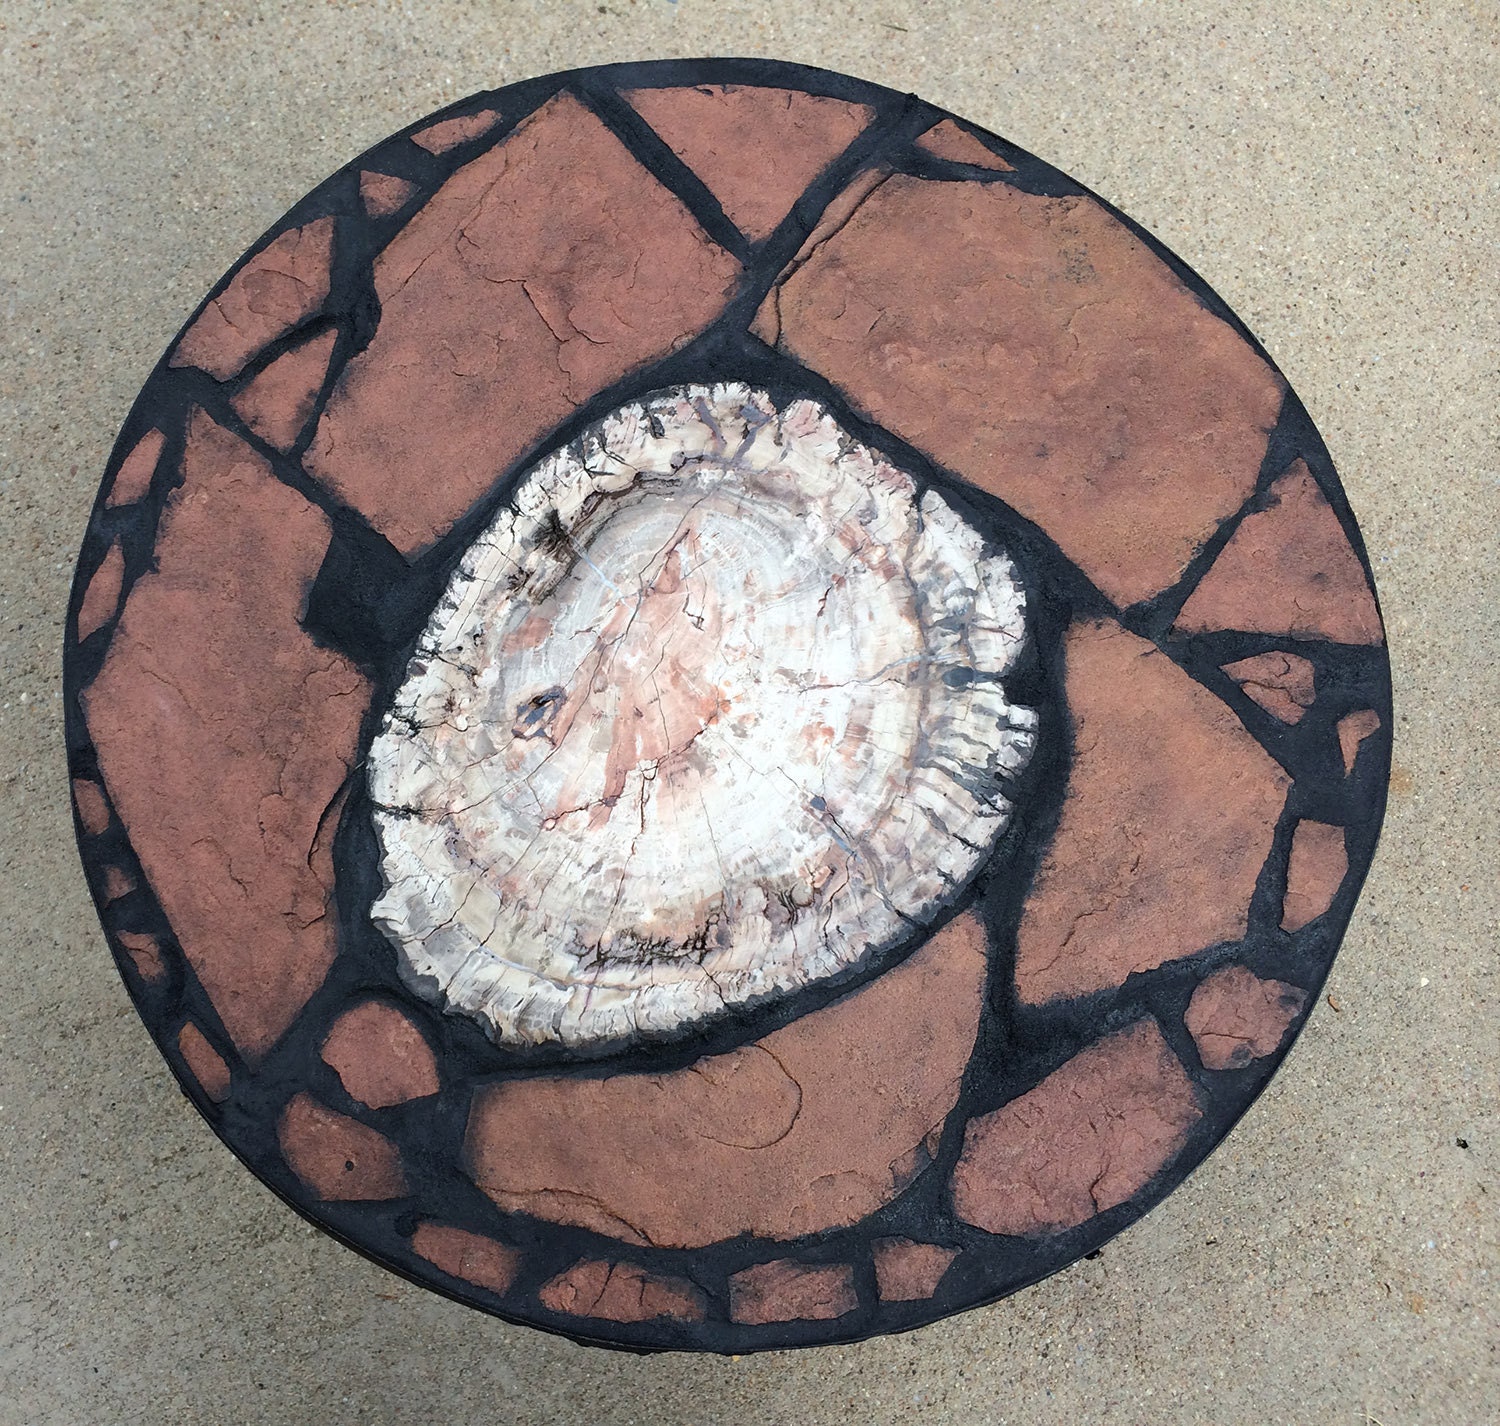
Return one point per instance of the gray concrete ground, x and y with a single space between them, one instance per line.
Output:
1332 171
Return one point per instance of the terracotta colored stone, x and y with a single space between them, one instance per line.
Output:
1088 1137
145 954
118 883
1235 1017
789 1291
1318 864
224 732
336 1157
1352 730
93 809
1281 683
1040 350
206 1063
469 1256
381 1056
282 285
102 596
1170 812
132 481
1288 569
450 133
909 1272
812 1127
541 272
948 140
755 149
622 1292
383 193
277 403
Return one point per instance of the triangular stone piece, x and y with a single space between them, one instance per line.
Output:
957 145
1283 684
277 403
755 149
1288 569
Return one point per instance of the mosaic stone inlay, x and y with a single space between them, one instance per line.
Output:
709 709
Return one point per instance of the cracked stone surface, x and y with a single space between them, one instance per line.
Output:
470 1257
908 1272
814 1126
1283 684
276 405
281 286
1084 1140
1235 1017
541 272
786 1290
1170 813
622 1292
711 710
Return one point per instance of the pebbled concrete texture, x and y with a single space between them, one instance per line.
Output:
1334 176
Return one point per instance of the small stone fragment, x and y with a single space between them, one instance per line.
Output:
1170 812
223 733
622 1292
206 1063
338 1158
539 273
118 883
1088 1137
380 1056
1039 349
1316 870
1352 730
102 596
909 1272
1287 569
145 954
450 133
282 285
384 193
813 1127
755 149
471 1257
956 144
1235 1017
1281 683
93 809
132 481
789 1291
278 402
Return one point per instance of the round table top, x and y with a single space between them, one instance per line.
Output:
711 709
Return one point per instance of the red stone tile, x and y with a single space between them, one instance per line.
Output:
622 1292
1088 1137
224 731
789 1291
812 1127
541 272
1314 874
1352 730
467 1256
282 285
133 479
909 1272
118 883
450 133
956 144
278 402
1170 811
1037 348
381 1056
383 193
145 954
1235 1017
102 596
93 809
336 1157
206 1063
1281 683
755 149
1288 569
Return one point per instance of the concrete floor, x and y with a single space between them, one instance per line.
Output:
1334 176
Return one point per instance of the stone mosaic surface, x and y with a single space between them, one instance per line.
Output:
1108 524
